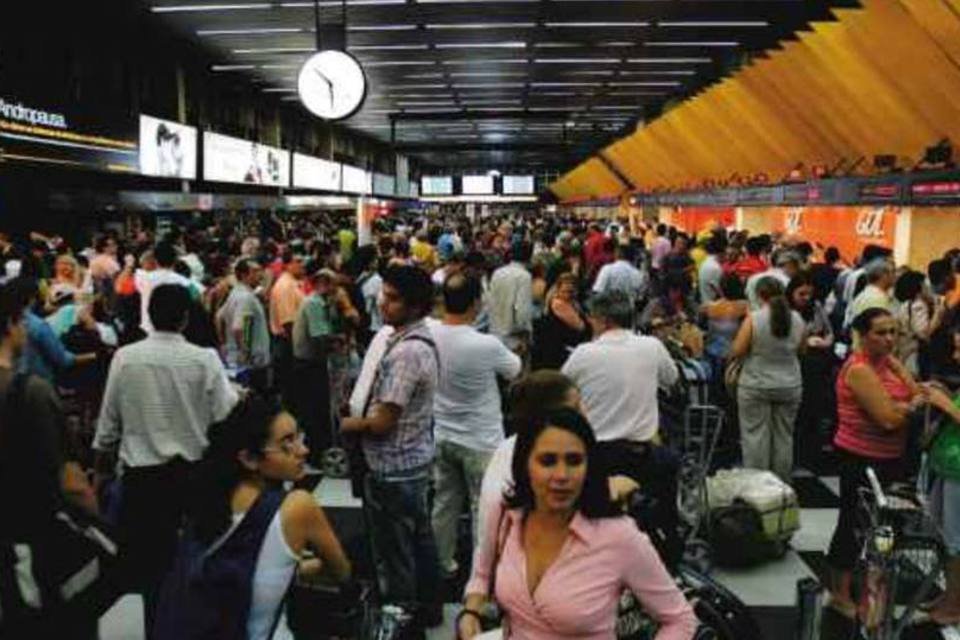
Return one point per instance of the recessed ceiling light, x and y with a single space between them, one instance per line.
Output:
595 25
670 60
388 47
273 50
184 8
669 43
232 67
714 23
646 84
481 45
482 25
256 31
382 27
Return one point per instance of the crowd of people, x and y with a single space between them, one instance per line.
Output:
510 368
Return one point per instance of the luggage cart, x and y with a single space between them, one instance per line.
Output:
702 428
342 372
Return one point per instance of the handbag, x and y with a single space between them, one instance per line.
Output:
61 571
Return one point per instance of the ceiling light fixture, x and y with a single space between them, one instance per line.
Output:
482 45
488 74
685 72
646 84
557 45
482 25
187 8
250 32
382 27
279 90
423 76
232 67
398 63
389 47
279 66
718 23
273 50
595 25
577 61
491 85
670 43
669 60
486 62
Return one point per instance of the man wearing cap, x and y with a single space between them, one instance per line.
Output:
787 265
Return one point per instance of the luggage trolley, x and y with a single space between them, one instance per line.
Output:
703 425
342 372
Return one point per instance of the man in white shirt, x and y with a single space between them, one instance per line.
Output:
787 265
468 421
146 281
621 275
510 299
618 375
711 272
162 395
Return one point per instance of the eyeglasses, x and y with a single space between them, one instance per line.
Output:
288 444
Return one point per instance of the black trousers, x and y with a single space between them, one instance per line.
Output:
152 509
845 546
312 405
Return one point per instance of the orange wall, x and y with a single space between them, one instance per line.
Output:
696 219
933 231
849 229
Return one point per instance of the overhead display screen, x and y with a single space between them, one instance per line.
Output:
436 186
167 149
227 159
517 185
384 185
315 173
477 185
56 130
356 180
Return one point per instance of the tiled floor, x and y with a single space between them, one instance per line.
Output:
768 590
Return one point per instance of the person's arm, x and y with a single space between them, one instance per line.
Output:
383 419
107 436
741 344
401 378
223 397
667 373
476 591
307 525
53 351
601 283
567 314
870 396
921 324
656 590
506 363
523 306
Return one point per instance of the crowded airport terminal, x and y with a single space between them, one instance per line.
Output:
480 320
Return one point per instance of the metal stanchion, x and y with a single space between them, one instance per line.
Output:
809 608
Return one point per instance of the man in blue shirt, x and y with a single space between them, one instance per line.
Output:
44 355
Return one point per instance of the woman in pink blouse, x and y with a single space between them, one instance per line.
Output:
561 554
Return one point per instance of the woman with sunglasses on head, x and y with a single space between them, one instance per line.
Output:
564 552
242 477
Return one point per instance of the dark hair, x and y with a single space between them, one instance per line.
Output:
770 290
165 254
716 243
169 307
863 322
521 251
366 256
832 255
802 279
661 229
242 268
731 286
101 244
414 286
755 245
182 268
938 271
594 501
908 286
460 291
627 251
537 392
873 251
246 429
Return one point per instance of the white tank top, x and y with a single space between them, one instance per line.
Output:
275 568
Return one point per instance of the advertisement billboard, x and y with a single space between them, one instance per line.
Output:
436 185
227 159
167 149
477 185
356 180
315 173
517 185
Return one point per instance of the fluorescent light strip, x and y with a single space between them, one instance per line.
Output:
566 84
232 67
482 25
498 109
439 96
557 45
577 61
618 44
404 87
279 90
625 94
450 111
590 73
273 50
670 60
595 25
250 32
280 66
615 107
389 47
483 61
719 23
435 103
424 76
481 45
555 94
186 8
491 85
336 3
398 63
686 72
668 43
646 84
488 74
382 27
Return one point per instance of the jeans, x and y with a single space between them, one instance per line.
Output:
767 418
397 508
844 546
458 473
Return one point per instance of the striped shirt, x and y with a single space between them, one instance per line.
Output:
856 431
162 395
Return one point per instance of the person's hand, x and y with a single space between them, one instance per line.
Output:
621 488
468 628
816 342
310 569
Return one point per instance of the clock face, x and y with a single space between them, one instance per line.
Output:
332 85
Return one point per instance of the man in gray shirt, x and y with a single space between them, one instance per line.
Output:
242 325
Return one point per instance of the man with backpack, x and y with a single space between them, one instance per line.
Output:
395 432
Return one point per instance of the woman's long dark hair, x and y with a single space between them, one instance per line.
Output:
219 473
594 501
770 290
802 279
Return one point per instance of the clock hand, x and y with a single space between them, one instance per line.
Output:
324 78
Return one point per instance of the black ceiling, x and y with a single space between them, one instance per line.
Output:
531 84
